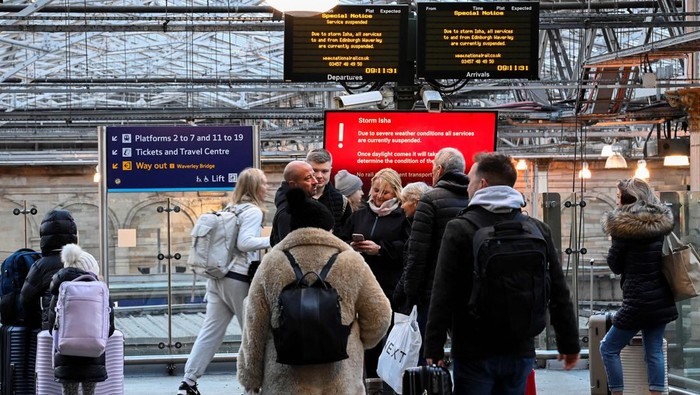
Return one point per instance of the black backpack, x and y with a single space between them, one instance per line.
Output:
310 329
13 272
510 289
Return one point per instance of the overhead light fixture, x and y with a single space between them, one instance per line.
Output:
302 8
642 171
675 151
521 165
616 161
96 176
585 172
606 151
358 100
676 160
431 99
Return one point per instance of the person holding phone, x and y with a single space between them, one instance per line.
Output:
378 232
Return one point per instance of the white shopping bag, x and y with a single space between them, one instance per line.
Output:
401 350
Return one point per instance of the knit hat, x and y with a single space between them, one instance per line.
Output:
347 183
306 212
74 256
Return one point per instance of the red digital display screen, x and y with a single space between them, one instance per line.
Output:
363 142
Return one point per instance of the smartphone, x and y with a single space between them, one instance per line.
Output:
358 237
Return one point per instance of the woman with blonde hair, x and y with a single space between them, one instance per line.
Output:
384 229
637 227
225 296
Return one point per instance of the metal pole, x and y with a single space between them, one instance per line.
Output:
170 287
103 203
574 271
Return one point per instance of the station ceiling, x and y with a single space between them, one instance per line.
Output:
67 67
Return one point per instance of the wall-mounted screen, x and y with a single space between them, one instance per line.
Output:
363 142
347 44
478 40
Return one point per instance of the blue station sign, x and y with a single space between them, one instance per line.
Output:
177 158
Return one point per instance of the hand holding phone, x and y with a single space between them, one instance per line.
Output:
357 237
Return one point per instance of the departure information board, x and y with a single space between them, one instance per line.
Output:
346 44
478 40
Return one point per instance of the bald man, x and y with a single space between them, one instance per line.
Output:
297 174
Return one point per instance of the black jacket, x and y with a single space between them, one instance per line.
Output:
637 232
453 284
70 368
391 233
281 220
338 205
57 229
435 209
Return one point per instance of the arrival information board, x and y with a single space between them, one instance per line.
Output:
346 44
177 158
478 40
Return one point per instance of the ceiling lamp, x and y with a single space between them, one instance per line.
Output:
676 160
606 151
521 165
642 171
675 151
585 172
302 8
616 161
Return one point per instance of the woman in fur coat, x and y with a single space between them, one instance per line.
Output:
363 306
637 227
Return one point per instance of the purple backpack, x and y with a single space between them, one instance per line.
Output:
82 317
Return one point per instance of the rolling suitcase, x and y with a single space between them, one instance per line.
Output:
17 353
598 326
428 380
530 385
634 369
45 383
114 359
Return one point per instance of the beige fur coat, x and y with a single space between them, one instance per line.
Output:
363 305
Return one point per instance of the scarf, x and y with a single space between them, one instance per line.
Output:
386 207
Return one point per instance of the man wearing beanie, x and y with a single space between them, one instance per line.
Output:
297 174
350 186
364 308
57 229
321 161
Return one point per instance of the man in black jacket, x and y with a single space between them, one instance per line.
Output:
322 161
57 229
435 208
297 174
485 362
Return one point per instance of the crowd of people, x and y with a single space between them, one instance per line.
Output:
404 246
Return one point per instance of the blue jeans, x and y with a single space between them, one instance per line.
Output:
501 375
616 339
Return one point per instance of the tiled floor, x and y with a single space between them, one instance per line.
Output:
153 380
